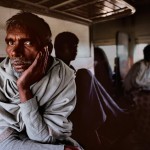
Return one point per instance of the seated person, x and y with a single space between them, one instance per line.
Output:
37 91
138 77
97 119
103 71
66 44
137 85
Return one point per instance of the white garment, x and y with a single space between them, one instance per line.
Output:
45 115
138 76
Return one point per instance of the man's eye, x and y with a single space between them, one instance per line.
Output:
10 43
28 43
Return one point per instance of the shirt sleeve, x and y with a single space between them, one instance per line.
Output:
46 115
36 128
130 79
57 112
53 122
13 142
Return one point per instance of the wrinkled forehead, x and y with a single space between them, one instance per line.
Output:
23 32
21 29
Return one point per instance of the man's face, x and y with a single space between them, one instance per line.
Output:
73 49
21 48
70 51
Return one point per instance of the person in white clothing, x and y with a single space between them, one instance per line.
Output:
37 91
138 77
137 87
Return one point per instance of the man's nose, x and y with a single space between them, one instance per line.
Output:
17 50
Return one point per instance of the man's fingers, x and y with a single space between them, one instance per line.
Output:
46 59
41 61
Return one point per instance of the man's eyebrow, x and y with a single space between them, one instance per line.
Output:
8 39
22 39
26 39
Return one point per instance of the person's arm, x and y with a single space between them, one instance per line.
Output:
71 148
36 127
53 124
33 74
129 82
14 142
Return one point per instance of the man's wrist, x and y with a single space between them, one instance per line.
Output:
25 95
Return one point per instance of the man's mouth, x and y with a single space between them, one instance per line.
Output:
20 65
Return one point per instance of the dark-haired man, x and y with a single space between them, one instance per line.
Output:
65 45
37 91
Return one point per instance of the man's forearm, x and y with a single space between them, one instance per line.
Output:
13 142
36 128
25 94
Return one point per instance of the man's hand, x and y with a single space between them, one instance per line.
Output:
33 74
72 148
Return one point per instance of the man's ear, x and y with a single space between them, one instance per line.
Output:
50 47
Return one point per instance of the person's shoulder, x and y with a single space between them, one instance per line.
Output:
140 61
73 68
63 66
5 63
60 62
137 65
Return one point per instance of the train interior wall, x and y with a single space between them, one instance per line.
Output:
135 26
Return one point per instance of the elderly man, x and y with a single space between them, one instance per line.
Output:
37 91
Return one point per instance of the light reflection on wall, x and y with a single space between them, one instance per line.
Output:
138 52
110 52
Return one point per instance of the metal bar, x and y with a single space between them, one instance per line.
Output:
30 3
62 4
127 5
82 5
111 13
42 1
71 15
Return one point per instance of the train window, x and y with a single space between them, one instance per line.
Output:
110 51
138 52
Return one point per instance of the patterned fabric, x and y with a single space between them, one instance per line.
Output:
142 114
138 76
139 139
